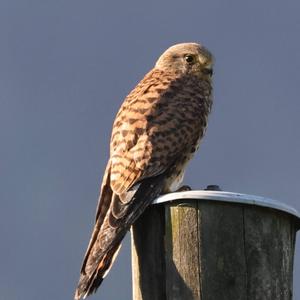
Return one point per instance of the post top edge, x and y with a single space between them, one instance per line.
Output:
221 196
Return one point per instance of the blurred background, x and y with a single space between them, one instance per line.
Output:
65 68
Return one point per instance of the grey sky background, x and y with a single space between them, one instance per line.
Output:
65 67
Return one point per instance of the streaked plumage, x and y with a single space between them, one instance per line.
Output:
156 132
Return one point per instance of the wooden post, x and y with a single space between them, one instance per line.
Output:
210 245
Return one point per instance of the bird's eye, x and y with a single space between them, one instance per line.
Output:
189 58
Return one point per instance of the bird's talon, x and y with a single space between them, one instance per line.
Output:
184 188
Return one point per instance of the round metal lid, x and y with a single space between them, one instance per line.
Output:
229 197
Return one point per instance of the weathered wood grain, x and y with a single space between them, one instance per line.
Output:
223 262
269 245
208 250
182 251
148 258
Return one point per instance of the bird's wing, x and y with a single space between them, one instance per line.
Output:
149 136
154 126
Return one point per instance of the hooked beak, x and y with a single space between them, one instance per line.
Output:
208 70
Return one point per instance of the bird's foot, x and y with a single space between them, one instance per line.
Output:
184 188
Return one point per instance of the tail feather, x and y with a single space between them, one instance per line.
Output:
89 284
104 202
106 244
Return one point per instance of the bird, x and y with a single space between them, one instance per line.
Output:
156 132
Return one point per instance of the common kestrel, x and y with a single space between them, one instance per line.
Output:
156 132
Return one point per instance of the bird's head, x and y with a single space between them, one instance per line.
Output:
187 58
